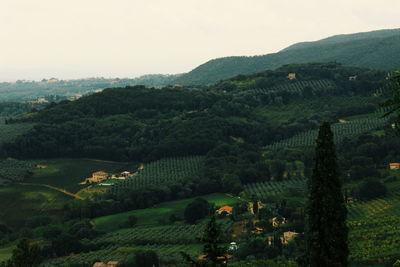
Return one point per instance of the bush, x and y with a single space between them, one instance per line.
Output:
371 189
196 210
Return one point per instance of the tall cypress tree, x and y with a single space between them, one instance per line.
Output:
326 230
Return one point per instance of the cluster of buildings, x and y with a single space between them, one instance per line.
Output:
101 176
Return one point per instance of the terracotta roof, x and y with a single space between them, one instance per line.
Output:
394 164
100 173
225 208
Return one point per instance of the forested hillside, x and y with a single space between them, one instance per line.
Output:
245 143
138 123
372 50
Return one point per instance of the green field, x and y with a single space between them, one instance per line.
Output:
68 173
19 202
5 253
151 216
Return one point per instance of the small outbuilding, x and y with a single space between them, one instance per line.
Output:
227 209
394 166
291 76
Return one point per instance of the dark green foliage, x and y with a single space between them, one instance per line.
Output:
371 189
25 255
132 220
145 258
196 210
39 220
393 90
214 251
136 124
326 230
51 232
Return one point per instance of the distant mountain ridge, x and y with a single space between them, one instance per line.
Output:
376 49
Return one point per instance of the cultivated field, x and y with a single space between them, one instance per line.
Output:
68 173
20 202
162 172
151 216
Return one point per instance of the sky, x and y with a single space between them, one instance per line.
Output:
71 39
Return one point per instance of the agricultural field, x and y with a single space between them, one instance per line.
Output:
278 114
19 202
15 170
167 241
68 173
161 172
177 233
264 190
5 253
374 230
340 131
298 86
152 216
167 253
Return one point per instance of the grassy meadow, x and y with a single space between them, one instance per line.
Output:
19 202
68 173
151 216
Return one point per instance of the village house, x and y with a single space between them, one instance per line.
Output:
39 166
260 205
97 177
291 76
125 174
225 209
353 78
394 166
103 264
288 236
278 221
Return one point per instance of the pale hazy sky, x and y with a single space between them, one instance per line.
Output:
126 38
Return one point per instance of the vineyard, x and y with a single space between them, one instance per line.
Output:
162 172
180 234
13 170
298 86
167 241
113 253
340 131
274 188
374 230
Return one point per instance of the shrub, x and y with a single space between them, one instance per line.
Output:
371 189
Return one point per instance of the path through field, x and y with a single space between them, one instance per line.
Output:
57 189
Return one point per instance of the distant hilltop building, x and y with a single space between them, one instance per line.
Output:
291 76
353 78
75 97
53 80
394 166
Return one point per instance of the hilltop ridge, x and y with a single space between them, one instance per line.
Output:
371 50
